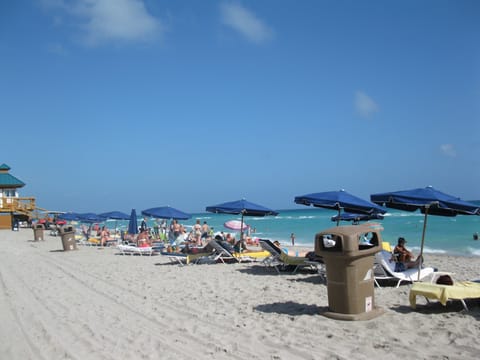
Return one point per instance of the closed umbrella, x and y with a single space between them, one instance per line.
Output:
429 201
132 223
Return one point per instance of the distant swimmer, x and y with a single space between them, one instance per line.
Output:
475 236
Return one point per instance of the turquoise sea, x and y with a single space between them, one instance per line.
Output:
452 235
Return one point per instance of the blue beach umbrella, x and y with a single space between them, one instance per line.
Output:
243 207
339 200
90 218
70 216
132 223
115 215
166 212
428 201
356 218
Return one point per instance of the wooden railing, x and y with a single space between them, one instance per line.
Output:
23 205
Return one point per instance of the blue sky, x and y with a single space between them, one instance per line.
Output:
119 104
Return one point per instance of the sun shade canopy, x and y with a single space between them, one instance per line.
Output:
244 207
338 200
166 212
437 202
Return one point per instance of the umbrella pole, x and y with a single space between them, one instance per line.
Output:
241 229
115 233
420 263
338 216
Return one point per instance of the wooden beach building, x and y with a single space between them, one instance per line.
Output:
12 206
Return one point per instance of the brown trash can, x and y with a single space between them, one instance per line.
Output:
38 232
349 259
67 233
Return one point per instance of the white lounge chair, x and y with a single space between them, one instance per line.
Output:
134 250
384 269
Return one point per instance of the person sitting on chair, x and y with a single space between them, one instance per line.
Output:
143 240
104 236
241 246
404 257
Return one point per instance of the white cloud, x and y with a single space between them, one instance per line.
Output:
365 105
245 22
448 150
102 21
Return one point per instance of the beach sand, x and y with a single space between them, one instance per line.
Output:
95 304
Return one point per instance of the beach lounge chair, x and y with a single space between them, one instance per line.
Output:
134 250
278 259
460 290
186 259
81 240
228 253
384 269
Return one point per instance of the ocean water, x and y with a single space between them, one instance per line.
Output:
449 235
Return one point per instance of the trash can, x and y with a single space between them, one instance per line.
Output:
67 234
349 253
38 232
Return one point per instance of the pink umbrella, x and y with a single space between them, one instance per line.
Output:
236 225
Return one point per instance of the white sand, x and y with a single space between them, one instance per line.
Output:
95 304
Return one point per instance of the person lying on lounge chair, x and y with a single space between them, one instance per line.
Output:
227 245
188 249
241 246
403 257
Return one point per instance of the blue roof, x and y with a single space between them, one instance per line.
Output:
8 180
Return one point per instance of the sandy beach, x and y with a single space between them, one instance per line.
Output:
96 304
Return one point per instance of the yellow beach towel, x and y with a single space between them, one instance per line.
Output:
386 246
459 291
94 241
252 254
292 260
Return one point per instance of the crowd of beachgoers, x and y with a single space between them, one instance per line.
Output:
174 236
95 303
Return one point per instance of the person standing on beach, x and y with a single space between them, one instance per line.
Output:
292 237
143 226
197 233
205 230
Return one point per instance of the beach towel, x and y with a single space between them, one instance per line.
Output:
459 291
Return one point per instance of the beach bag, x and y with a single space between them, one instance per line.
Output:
445 280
